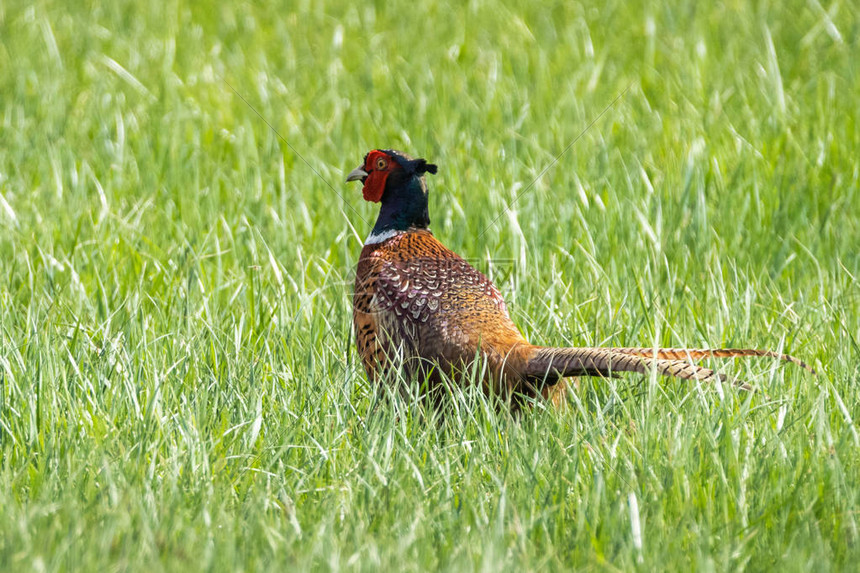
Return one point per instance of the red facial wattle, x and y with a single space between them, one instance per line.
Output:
374 185
373 174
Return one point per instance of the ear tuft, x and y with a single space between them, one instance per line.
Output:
421 166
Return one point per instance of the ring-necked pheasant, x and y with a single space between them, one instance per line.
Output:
420 307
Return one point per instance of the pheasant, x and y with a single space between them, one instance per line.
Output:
421 308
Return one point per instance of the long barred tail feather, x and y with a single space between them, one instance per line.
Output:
550 364
703 353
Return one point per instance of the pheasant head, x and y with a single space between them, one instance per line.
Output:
397 182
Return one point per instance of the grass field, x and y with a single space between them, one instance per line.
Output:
178 385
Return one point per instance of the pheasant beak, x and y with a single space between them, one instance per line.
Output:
357 174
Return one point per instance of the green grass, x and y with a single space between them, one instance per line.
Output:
178 385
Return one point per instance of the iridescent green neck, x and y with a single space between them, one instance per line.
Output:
404 207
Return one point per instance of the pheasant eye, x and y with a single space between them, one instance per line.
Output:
381 164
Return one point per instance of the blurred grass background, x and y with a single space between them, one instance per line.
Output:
178 387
